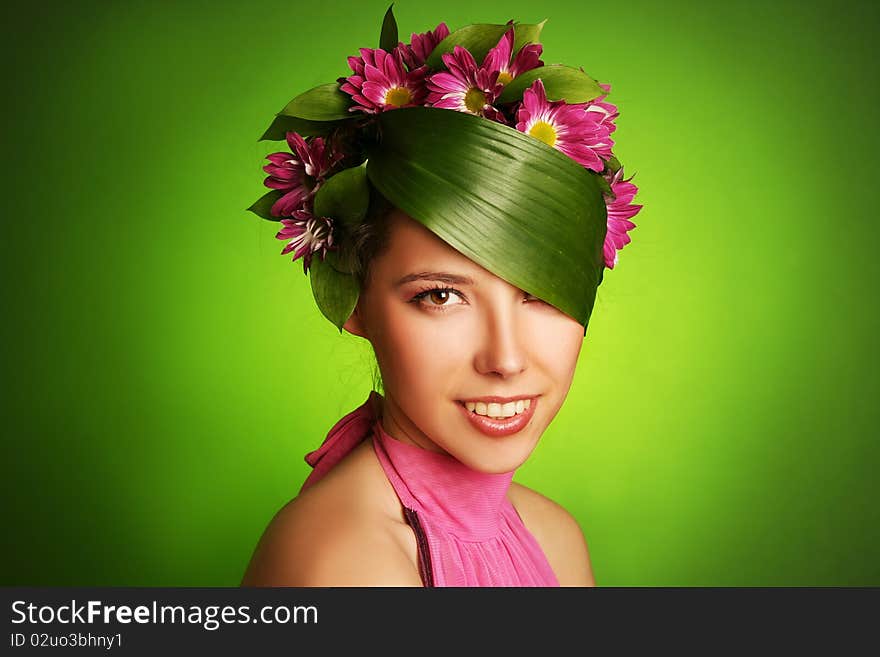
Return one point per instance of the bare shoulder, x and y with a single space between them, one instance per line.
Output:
557 532
342 531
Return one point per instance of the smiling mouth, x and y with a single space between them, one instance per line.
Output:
498 410
499 426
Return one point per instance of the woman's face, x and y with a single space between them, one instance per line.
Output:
444 330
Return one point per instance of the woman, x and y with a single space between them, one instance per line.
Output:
415 486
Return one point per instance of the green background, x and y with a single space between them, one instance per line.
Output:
166 371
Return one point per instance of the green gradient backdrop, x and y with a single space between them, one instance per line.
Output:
166 370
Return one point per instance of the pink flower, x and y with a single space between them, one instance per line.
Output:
464 87
299 174
381 83
566 127
606 111
308 235
422 46
498 59
620 211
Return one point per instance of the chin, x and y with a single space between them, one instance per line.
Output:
496 459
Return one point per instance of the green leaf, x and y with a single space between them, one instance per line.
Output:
480 38
344 197
262 205
341 262
514 205
603 184
560 82
322 103
524 33
282 124
388 38
613 164
335 293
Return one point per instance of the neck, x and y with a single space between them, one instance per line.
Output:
396 424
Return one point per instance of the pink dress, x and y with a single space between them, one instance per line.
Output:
467 531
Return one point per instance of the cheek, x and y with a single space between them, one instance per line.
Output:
418 357
560 339
558 358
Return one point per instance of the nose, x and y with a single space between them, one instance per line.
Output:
502 351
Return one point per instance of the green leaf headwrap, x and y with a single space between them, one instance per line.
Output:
520 208
509 202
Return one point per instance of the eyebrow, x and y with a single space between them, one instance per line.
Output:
441 276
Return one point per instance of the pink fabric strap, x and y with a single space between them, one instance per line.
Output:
467 530
345 435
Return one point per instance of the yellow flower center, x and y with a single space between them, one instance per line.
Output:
544 131
504 77
474 100
398 96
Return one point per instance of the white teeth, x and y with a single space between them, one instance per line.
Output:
497 411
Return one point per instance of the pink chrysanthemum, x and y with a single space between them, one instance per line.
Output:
566 127
498 58
308 235
422 45
606 111
620 211
299 174
380 82
464 87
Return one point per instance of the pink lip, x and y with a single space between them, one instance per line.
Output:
499 428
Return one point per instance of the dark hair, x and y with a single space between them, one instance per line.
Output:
366 242
371 238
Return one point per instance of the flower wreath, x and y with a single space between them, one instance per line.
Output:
321 187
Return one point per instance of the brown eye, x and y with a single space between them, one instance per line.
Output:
438 298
